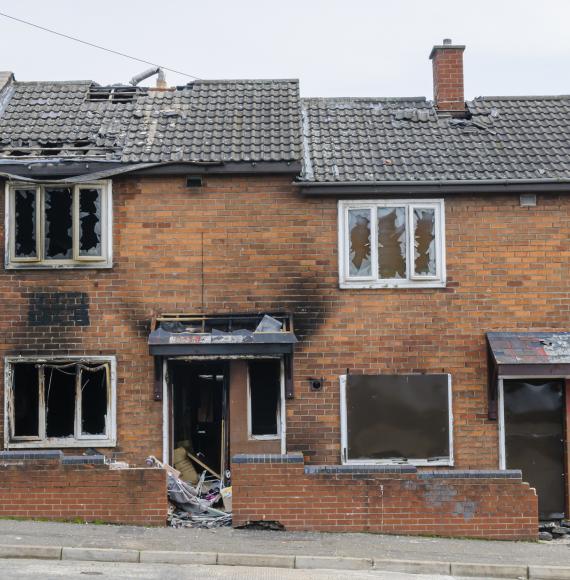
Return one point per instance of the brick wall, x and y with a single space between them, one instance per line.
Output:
392 500
253 244
45 485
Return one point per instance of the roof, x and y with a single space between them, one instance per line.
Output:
204 121
530 348
405 140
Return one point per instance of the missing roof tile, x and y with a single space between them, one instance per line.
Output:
113 94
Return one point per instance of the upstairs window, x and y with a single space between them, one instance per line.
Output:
390 244
59 226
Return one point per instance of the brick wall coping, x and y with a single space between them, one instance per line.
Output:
318 469
268 458
472 474
54 455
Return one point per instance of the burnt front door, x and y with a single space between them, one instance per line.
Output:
534 439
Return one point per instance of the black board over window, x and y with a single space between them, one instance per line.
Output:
397 418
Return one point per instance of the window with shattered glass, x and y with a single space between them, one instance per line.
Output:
58 226
67 402
392 243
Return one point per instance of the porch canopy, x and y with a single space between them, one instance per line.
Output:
525 354
222 334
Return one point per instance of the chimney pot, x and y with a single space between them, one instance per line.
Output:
447 62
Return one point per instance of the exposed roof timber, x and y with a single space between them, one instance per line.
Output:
355 189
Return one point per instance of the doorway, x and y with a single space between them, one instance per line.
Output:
533 439
199 411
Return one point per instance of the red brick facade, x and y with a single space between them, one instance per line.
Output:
46 488
451 504
254 244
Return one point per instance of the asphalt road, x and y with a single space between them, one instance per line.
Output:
58 570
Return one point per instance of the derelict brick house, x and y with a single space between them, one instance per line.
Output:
358 306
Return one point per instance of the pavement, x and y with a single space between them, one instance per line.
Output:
273 549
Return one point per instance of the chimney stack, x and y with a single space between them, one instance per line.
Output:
447 60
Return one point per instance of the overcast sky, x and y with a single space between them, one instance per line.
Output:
335 47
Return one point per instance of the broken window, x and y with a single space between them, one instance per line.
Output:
25 221
53 226
264 398
403 246
397 419
67 402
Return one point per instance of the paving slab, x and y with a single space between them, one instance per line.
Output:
170 557
265 560
413 566
37 552
488 570
550 572
332 563
100 554
228 540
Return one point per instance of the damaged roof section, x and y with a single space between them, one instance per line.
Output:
406 140
204 121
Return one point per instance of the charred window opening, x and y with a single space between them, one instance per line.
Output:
58 223
397 419
59 394
25 234
26 401
60 402
89 222
114 94
53 226
390 244
265 397
94 401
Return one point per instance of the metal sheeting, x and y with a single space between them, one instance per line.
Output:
398 417
534 439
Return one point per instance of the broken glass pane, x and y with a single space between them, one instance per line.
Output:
93 401
59 386
89 222
26 400
424 242
392 242
359 229
58 223
25 223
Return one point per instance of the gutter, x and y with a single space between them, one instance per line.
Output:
435 187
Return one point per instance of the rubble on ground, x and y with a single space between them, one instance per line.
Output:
558 531
192 506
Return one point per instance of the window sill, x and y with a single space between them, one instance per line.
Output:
60 443
374 285
73 266
264 437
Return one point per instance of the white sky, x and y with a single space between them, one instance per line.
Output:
335 47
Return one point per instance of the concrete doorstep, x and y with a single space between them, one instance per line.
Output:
284 561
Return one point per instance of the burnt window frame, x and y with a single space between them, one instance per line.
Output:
419 462
373 281
78 440
280 407
104 260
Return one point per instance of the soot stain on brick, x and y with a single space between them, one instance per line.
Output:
58 309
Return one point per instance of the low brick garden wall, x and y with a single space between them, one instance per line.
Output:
383 499
52 486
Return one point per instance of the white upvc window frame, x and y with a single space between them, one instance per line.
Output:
443 462
280 408
412 280
105 260
79 440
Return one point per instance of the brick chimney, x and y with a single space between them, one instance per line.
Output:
447 60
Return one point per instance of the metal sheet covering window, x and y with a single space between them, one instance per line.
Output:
391 244
395 419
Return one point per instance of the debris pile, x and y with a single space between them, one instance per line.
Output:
192 506
554 530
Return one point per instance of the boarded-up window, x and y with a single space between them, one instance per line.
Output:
389 243
402 418
264 397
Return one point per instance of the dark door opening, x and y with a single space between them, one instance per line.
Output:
534 439
199 410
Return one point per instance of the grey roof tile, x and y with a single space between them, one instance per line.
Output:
380 140
256 120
